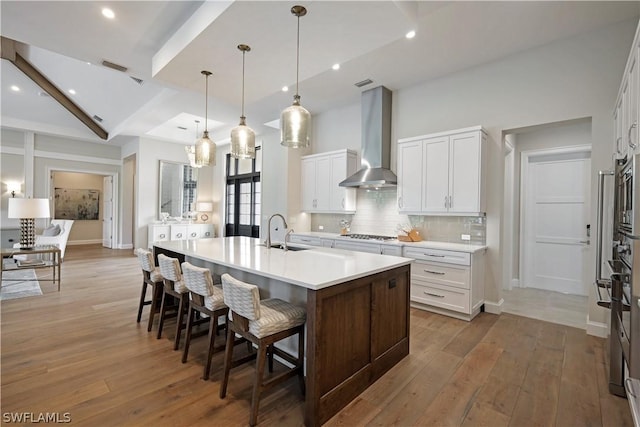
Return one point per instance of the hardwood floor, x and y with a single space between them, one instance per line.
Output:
80 351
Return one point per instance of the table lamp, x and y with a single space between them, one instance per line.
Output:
27 210
204 207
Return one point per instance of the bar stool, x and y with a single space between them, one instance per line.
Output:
173 286
206 299
150 277
262 323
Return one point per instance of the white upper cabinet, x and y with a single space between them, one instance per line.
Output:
441 174
321 174
410 176
626 114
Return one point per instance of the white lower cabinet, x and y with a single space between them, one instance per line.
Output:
447 282
165 232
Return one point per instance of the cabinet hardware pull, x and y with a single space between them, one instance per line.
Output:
631 144
433 295
439 273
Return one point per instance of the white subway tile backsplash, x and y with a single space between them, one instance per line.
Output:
377 213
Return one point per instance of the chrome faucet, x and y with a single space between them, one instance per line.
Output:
268 241
286 236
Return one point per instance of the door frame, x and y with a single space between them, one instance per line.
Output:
525 157
114 206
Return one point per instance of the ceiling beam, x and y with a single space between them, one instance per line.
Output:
8 51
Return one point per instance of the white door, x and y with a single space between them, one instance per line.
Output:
555 229
464 175
323 183
409 176
436 181
308 184
107 212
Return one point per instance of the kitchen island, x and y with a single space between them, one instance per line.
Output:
357 308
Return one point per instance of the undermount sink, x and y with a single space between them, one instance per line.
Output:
296 248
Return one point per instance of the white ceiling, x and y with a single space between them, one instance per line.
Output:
168 43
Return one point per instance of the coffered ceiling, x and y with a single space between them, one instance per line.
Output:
165 44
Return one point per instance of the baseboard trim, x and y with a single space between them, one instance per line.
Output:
494 307
84 242
515 283
597 329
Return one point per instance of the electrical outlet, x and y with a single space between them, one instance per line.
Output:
466 237
321 227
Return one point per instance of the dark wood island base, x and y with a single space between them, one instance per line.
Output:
356 331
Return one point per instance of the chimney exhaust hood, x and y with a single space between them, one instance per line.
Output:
376 142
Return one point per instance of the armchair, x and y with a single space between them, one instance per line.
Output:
61 239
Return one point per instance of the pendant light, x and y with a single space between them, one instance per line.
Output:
191 150
243 138
295 120
205 148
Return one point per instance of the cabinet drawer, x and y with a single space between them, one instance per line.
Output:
391 250
439 255
313 241
439 296
178 232
444 274
161 233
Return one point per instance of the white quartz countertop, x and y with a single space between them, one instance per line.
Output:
459 247
314 268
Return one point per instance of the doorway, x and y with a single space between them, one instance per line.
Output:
546 157
98 229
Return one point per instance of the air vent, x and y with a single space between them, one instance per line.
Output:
364 82
97 118
137 80
114 66
182 128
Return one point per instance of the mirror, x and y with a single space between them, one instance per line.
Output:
178 183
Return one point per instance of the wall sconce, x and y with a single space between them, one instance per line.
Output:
13 187
204 207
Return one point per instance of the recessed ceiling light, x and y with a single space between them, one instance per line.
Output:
108 13
15 88
72 91
336 66
411 34
285 89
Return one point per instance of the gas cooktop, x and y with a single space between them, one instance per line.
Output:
368 237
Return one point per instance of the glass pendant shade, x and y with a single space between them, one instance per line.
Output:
295 121
243 138
294 125
205 148
243 141
205 151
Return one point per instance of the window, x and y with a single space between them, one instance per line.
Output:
243 196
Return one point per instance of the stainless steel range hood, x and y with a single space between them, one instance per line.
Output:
376 142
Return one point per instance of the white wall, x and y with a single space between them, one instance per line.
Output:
574 78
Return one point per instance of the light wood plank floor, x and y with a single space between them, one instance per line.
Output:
81 352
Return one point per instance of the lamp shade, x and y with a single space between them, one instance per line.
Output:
204 207
28 208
